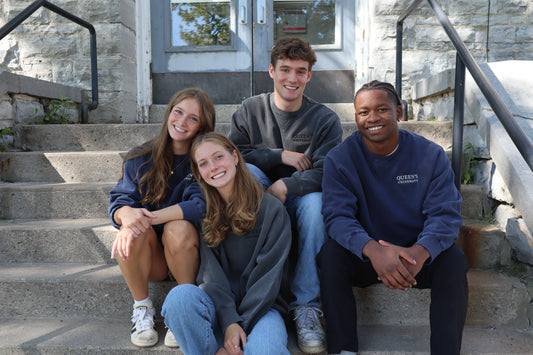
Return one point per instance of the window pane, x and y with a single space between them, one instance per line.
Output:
312 20
200 23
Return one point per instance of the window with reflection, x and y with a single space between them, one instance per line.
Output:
312 20
200 23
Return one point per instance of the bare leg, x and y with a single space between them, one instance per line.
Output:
146 263
181 242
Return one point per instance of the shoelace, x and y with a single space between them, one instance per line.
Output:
144 317
307 317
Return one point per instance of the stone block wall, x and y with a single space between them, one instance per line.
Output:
493 30
47 46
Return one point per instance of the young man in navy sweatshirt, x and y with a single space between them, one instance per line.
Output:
392 211
286 135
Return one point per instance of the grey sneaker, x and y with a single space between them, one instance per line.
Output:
143 333
170 340
311 336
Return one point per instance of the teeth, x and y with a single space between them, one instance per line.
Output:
291 87
179 129
219 175
375 128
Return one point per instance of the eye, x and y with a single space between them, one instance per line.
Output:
177 111
194 119
202 164
218 157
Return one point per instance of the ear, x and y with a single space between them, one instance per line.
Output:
309 75
235 158
399 112
271 70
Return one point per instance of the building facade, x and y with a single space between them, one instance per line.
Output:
148 50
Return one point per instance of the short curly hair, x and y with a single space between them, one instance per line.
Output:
293 48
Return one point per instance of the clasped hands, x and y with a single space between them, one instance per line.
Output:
298 161
134 222
396 266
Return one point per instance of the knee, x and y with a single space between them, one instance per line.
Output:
311 205
329 255
180 236
180 300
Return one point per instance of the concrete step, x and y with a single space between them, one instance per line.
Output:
57 241
58 336
122 137
89 240
90 137
98 291
60 200
57 167
482 242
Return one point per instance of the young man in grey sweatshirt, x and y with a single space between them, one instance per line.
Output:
285 136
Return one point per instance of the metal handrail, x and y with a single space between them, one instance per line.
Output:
465 58
27 12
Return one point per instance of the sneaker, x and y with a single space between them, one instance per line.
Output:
311 336
142 329
170 340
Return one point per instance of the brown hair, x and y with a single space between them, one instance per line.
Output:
154 182
239 214
293 48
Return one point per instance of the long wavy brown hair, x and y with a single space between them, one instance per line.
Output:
153 184
239 214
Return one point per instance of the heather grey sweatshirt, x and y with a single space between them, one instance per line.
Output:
261 131
243 276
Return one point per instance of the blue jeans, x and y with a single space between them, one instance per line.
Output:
190 315
305 213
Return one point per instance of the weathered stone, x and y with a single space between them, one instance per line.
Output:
27 110
499 190
521 240
6 110
503 213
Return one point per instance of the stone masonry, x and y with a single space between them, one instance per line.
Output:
49 47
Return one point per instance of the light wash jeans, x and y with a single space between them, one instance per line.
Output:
305 213
190 315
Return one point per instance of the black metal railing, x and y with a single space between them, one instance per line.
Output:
465 59
27 12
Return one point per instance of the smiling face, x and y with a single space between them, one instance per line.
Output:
217 167
183 124
376 115
290 77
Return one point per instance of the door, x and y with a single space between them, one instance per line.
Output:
223 46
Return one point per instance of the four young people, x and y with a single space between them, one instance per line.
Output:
240 259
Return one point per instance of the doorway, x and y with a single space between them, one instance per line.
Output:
223 46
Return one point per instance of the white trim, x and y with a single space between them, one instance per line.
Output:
363 23
144 59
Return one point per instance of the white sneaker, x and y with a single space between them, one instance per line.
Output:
170 340
142 329
311 336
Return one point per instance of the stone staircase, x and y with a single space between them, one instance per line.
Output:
61 293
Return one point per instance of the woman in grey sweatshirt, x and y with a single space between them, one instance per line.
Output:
237 306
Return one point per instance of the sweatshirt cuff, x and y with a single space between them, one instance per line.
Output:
190 212
293 188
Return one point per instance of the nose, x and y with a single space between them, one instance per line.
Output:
372 116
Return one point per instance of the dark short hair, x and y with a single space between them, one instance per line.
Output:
381 85
293 48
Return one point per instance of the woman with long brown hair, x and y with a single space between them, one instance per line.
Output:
245 242
157 207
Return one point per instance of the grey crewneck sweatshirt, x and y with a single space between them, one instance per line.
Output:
262 131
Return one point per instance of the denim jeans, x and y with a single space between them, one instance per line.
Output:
305 213
190 315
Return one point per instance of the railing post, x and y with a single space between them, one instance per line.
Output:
458 120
